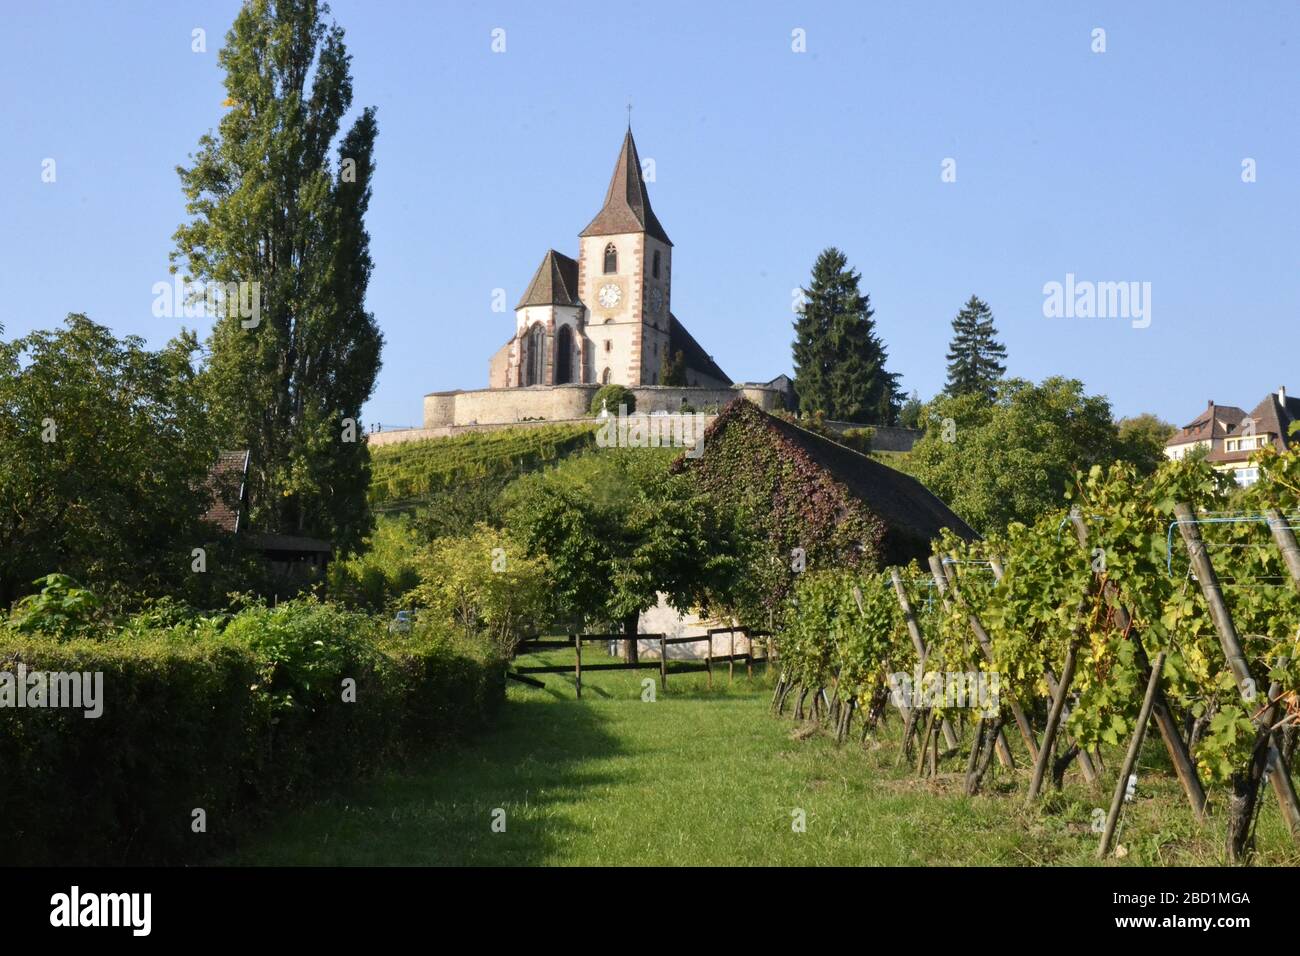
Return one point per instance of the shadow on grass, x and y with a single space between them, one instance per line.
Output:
540 756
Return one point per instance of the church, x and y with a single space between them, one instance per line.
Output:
603 318
606 316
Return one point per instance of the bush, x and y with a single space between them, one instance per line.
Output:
859 439
380 578
233 720
611 397
61 609
486 582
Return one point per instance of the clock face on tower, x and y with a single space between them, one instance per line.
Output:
656 301
610 295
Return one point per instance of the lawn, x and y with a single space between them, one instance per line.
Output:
700 777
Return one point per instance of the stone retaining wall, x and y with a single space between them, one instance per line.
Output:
509 406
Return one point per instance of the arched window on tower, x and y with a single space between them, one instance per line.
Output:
564 356
534 354
611 259
654 268
604 377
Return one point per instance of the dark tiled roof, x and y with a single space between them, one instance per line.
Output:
554 283
1215 422
1271 417
226 485
1274 417
627 204
679 340
914 514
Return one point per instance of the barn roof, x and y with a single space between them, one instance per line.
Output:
226 485
913 515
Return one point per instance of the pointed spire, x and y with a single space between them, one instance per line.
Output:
627 204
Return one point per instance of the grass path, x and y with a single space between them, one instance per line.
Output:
704 778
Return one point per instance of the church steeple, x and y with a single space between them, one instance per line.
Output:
627 204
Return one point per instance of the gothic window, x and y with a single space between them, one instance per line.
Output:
534 354
564 356
654 268
611 259
604 377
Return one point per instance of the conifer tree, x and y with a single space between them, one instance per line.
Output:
838 358
975 356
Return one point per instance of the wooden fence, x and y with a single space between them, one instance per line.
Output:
533 645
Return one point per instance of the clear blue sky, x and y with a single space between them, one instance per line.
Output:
1117 166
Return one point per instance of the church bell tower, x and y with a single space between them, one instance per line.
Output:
625 280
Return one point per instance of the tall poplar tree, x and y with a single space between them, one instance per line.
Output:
975 356
839 359
268 206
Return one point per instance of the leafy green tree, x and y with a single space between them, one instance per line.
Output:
909 416
269 209
839 360
384 573
458 510
485 582
105 448
618 527
1142 440
674 370
975 356
1012 458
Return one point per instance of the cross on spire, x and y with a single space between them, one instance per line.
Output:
629 113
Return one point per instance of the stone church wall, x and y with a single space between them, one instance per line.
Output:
502 406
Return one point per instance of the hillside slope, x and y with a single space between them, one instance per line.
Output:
405 475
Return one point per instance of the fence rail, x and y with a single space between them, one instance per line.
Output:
532 645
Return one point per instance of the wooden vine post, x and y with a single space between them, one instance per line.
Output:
1085 762
731 657
943 582
1286 543
1245 784
577 667
1130 758
1048 746
1179 754
663 662
918 642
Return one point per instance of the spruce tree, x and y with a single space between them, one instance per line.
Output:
838 358
268 206
975 356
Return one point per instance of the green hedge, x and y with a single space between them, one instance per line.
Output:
235 720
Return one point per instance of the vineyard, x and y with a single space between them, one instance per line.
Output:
1172 600
406 473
